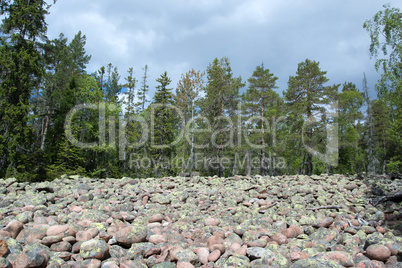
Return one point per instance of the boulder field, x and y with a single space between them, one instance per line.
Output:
258 221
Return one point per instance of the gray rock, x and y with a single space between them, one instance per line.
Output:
260 253
94 249
165 265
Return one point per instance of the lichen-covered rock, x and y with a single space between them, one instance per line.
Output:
256 221
141 250
25 217
29 235
164 265
61 246
374 238
131 235
4 263
340 257
110 264
280 261
315 263
94 249
237 261
186 255
34 255
260 263
161 198
260 253
325 236
234 238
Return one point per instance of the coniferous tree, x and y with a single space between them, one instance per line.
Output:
370 131
65 85
112 87
220 108
187 94
163 124
384 147
130 92
261 102
21 68
305 95
350 104
142 92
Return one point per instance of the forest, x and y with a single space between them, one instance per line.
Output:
56 118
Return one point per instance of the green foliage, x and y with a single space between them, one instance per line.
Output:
163 125
220 104
306 95
42 80
21 69
142 93
262 106
350 102
112 87
187 94
385 30
130 91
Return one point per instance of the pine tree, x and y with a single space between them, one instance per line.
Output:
305 95
262 101
350 104
187 93
384 145
370 131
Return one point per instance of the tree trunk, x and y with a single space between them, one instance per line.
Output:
44 130
183 164
384 165
309 162
263 169
249 164
192 148
302 168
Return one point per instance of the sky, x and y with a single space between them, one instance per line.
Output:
179 35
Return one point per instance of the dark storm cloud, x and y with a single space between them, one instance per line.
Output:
177 35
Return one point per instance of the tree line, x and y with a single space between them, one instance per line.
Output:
56 118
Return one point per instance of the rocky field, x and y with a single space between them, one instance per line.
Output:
286 221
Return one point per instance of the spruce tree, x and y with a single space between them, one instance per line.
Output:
163 127
21 68
130 92
220 106
142 92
